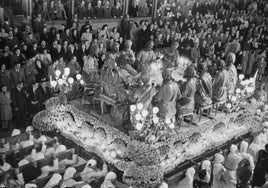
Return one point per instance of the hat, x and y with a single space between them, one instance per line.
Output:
92 162
15 132
202 174
29 129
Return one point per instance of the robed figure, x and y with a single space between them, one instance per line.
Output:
167 96
232 73
220 83
186 103
203 95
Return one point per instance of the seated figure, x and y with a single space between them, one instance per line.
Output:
260 93
167 96
203 95
185 104
220 83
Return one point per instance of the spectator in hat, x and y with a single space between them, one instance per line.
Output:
11 41
98 9
43 93
34 102
201 181
19 103
29 72
17 75
116 11
90 13
38 24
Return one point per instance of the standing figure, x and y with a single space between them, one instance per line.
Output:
167 96
5 107
230 60
203 95
19 101
220 83
185 104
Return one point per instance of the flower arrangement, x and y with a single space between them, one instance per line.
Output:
150 127
238 100
161 147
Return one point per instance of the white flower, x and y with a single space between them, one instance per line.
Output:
228 105
57 73
144 113
139 106
155 110
238 90
172 126
82 82
241 76
139 126
132 108
138 117
53 83
168 121
71 80
155 120
78 76
113 154
233 98
60 81
66 71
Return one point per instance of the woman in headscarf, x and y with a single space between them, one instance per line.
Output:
255 147
218 171
69 162
231 163
108 181
53 181
244 155
206 165
38 152
91 173
53 166
68 180
187 181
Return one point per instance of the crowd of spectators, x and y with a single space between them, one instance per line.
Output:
31 53
243 166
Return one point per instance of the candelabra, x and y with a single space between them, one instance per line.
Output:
64 82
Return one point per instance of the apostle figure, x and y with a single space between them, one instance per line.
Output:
203 95
170 54
260 93
220 83
186 103
167 96
230 60
145 56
